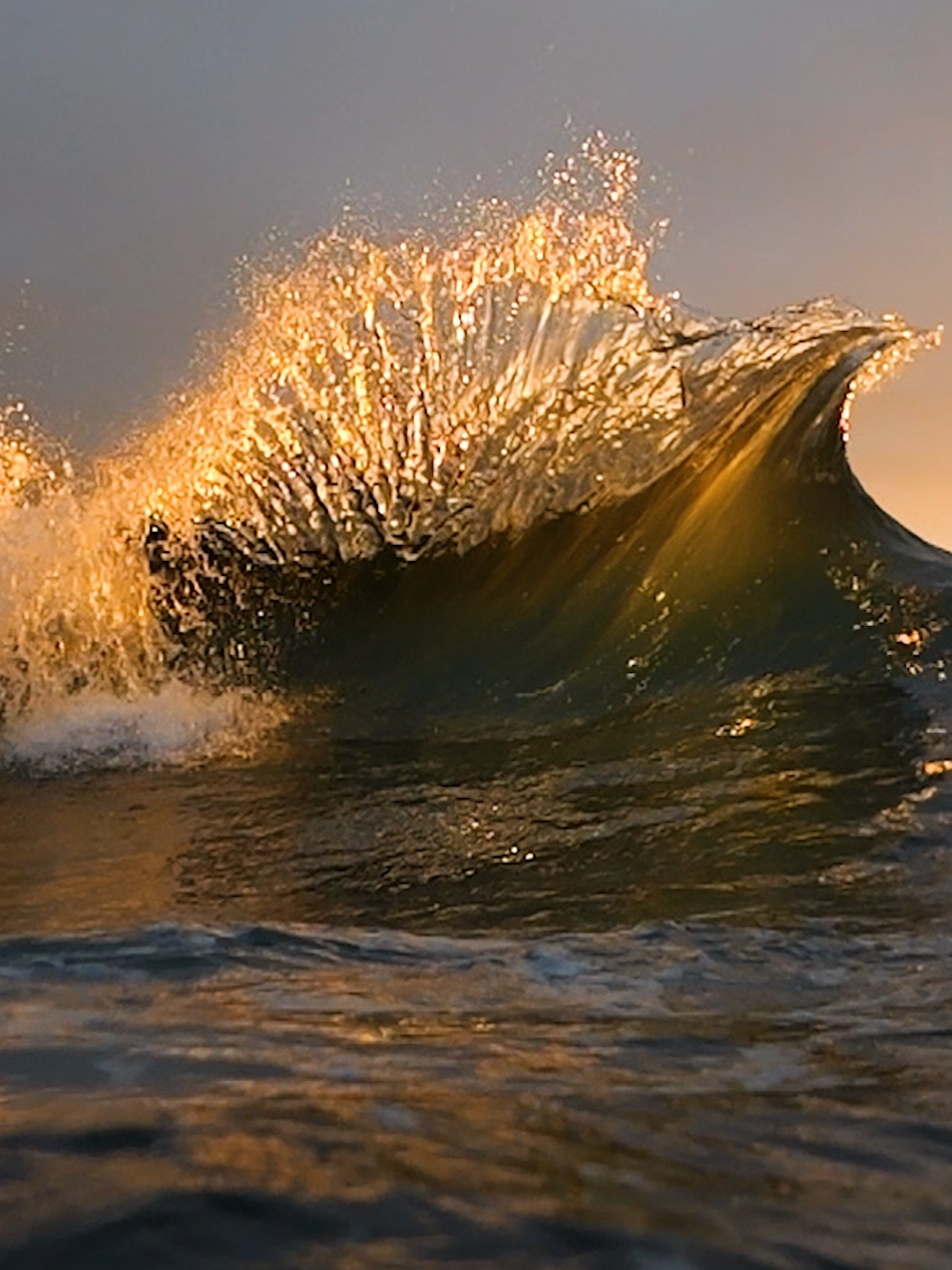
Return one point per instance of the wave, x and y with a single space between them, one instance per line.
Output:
497 476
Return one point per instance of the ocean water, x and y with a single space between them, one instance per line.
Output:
475 785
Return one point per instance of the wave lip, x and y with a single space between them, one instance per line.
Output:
586 403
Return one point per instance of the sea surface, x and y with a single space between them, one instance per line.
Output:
476 785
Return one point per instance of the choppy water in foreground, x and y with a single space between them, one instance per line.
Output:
656 994
475 790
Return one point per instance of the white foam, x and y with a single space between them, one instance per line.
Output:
176 724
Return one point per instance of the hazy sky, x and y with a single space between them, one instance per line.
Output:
801 146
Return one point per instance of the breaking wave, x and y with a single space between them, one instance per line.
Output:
497 479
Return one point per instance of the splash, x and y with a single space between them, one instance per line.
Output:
391 395
174 724
363 404
32 467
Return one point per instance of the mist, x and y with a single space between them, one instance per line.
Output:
800 148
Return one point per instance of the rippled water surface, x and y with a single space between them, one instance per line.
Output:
668 992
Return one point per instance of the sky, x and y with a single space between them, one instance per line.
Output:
800 147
